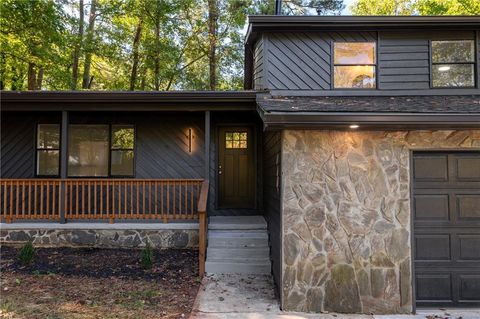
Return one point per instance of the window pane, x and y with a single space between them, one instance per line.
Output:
48 162
88 150
453 51
122 163
355 76
48 136
454 75
354 52
123 136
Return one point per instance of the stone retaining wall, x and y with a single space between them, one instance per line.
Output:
346 217
105 238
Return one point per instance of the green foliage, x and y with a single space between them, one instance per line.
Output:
27 254
147 257
312 7
411 7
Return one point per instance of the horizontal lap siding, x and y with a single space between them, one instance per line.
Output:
302 61
403 62
271 190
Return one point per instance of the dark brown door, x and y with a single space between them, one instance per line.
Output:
446 220
236 168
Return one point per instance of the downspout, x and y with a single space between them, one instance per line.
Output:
278 7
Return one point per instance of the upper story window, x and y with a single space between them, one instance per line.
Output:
48 149
354 65
101 150
453 63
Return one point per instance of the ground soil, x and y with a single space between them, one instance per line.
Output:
97 283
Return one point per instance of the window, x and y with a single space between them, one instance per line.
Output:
236 140
453 63
48 149
122 150
88 149
354 65
100 150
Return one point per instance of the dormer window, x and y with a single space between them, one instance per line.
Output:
453 63
354 65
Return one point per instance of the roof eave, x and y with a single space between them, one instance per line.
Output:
369 121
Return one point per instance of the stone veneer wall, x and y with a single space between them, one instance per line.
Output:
105 238
346 217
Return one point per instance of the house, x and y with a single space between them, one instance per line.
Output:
356 138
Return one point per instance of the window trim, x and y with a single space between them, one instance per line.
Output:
109 175
37 149
111 149
432 64
333 65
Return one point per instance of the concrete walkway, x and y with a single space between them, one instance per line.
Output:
252 297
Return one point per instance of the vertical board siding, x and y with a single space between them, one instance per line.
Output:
301 61
271 195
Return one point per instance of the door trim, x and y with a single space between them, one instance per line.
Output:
253 127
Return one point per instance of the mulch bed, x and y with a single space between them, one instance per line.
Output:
98 283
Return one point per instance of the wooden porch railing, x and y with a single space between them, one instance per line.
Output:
100 199
202 226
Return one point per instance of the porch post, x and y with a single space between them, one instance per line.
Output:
63 164
207 145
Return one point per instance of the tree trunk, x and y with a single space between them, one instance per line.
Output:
156 71
136 42
212 42
31 76
39 80
78 46
89 45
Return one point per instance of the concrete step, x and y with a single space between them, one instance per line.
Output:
242 253
237 222
219 267
238 239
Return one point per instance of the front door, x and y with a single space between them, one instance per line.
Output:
236 168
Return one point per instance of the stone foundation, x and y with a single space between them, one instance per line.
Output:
346 217
92 235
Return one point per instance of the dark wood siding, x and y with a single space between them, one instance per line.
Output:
404 58
271 194
18 142
258 66
161 142
302 61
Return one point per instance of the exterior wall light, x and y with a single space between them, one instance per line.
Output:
354 126
189 139
443 68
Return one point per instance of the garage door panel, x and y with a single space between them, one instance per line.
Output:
431 207
469 287
469 247
468 206
428 168
467 168
434 287
446 221
432 247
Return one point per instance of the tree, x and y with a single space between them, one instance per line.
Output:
89 46
420 7
78 46
310 7
30 30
